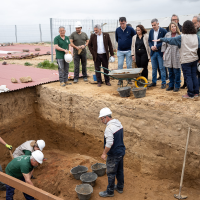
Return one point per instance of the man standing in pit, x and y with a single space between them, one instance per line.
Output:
2 185
61 43
115 149
79 40
21 168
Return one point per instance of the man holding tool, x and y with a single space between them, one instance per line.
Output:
22 168
115 149
2 185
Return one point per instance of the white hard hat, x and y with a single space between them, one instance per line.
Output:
78 24
111 59
41 144
198 67
68 57
38 156
104 112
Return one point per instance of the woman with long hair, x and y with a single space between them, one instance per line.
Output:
140 49
189 47
171 58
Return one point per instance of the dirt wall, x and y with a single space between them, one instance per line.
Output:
154 133
155 137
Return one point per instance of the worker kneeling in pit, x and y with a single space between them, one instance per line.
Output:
22 168
115 149
28 147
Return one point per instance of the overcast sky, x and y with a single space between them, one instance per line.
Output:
24 12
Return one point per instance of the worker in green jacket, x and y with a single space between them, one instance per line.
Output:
22 168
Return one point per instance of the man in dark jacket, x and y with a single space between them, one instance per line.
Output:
115 150
175 19
124 35
100 45
156 54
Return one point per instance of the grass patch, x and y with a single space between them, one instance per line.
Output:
26 64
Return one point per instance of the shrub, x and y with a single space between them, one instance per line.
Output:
27 64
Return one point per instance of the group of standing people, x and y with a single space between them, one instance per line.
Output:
136 46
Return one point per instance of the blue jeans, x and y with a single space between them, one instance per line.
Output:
174 77
190 73
157 61
115 168
121 55
10 192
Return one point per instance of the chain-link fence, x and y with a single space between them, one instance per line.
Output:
25 33
87 27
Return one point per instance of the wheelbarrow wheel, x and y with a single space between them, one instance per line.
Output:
141 79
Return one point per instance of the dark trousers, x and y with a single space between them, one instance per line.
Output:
174 77
142 61
77 59
63 70
190 73
115 169
10 192
101 60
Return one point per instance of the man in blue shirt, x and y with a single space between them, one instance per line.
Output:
156 54
124 36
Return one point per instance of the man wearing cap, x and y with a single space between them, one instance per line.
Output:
115 150
21 168
79 40
2 185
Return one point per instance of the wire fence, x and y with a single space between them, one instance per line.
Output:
25 33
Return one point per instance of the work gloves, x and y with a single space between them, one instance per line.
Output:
9 147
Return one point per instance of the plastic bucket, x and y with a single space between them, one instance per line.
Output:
84 191
78 171
94 77
139 92
89 178
99 169
124 91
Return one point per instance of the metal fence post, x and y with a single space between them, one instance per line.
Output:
117 23
40 32
70 29
51 30
92 25
16 32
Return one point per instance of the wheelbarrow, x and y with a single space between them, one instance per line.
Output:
127 74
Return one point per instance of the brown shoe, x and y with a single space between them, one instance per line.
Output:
108 84
99 85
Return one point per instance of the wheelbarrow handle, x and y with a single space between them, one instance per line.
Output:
106 69
107 74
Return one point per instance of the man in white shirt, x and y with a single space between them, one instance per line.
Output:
100 46
156 54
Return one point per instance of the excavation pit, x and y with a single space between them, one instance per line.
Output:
155 130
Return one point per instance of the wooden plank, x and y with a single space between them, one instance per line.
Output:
26 188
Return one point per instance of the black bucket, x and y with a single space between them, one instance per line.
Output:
124 91
78 171
139 92
84 191
99 169
89 178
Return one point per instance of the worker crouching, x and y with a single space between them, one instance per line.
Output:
115 150
22 168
